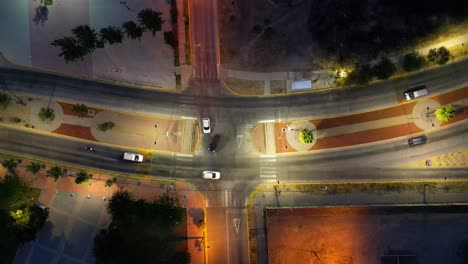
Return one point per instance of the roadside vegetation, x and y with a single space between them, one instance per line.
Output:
20 218
143 231
306 136
86 39
106 126
444 113
46 115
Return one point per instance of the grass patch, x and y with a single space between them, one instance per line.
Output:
371 188
248 87
30 197
178 80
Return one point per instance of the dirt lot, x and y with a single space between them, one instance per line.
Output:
348 235
270 35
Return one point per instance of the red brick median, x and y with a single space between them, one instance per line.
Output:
75 131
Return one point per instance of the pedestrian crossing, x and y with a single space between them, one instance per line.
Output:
229 198
184 165
267 166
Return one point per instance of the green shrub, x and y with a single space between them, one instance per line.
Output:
46 114
15 120
306 136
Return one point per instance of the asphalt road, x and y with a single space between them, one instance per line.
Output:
232 117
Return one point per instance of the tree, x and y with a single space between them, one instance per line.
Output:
110 182
412 61
439 56
132 30
306 136
20 217
33 168
181 258
5 101
82 177
55 172
86 37
71 50
150 20
361 75
152 222
171 39
384 68
106 126
444 113
46 114
12 190
81 110
111 35
9 164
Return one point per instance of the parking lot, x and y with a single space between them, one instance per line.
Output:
382 234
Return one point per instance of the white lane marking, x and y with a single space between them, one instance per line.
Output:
236 224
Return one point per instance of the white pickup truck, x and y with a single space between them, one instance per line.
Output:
133 157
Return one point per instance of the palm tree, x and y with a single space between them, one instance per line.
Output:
86 37
306 136
33 168
111 34
106 126
80 109
5 101
9 164
55 172
132 30
444 113
82 177
71 50
46 114
150 19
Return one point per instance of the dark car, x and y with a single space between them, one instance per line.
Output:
417 141
214 143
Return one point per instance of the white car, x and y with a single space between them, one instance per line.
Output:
206 125
211 175
133 157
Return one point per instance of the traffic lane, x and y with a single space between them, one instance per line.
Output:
237 245
65 150
387 153
216 240
320 104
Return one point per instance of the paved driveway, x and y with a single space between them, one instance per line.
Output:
69 232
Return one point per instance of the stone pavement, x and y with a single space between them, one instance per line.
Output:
133 131
147 62
406 119
78 212
321 79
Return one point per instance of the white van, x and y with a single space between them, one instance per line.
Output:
133 157
415 92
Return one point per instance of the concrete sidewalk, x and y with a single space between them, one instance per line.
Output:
135 131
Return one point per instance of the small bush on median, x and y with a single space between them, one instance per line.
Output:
306 136
46 114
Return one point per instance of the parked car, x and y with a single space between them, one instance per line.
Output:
211 175
415 92
417 141
214 143
133 157
206 125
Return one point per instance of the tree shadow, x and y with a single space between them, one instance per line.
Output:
42 14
